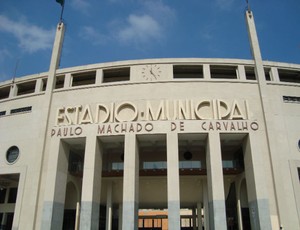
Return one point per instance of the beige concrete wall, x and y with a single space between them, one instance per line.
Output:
24 129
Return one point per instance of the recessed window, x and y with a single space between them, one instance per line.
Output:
59 83
4 92
87 78
21 110
223 72
2 194
115 75
250 73
12 154
188 71
12 196
44 84
267 74
26 88
289 76
299 145
291 99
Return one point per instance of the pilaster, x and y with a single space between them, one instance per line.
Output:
130 184
216 199
91 184
173 182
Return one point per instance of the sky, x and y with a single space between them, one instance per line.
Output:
114 30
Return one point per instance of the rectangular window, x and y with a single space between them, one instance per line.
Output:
12 196
2 113
44 84
188 71
26 88
155 165
2 195
250 73
115 75
291 99
4 92
190 164
88 78
299 174
223 72
60 81
117 166
292 76
267 74
21 110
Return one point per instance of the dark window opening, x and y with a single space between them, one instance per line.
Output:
188 71
223 72
250 73
289 76
4 92
75 164
26 88
299 173
21 110
291 99
267 74
87 78
2 195
115 75
44 84
2 113
60 81
12 196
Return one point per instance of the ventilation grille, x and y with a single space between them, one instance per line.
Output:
291 99
21 110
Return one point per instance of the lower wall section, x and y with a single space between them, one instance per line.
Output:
89 215
53 213
217 217
260 214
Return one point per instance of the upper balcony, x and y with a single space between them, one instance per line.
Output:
152 70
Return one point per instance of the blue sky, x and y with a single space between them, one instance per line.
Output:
113 30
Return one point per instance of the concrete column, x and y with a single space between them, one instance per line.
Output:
38 85
91 184
241 72
173 182
256 184
216 198
206 71
68 80
275 74
199 216
257 200
205 206
130 184
109 206
55 191
194 218
99 76
13 90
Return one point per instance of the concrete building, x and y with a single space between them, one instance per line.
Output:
183 143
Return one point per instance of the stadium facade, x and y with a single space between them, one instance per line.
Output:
183 143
